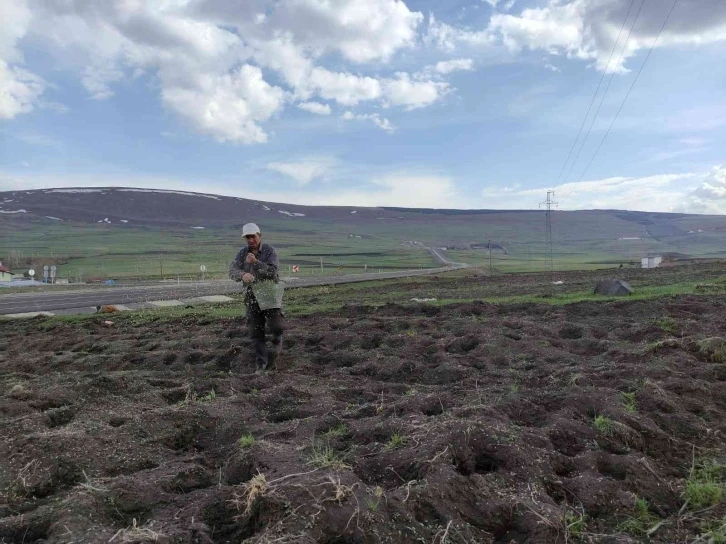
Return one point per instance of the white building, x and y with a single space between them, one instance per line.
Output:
651 262
5 274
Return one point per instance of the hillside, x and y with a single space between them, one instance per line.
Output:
120 231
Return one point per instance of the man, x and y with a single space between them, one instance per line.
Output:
256 263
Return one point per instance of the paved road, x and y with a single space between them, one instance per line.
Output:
48 301
445 261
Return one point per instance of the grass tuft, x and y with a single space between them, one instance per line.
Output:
574 523
397 441
714 532
339 431
628 400
604 425
641 521
704 487
323 455
246 442
666 324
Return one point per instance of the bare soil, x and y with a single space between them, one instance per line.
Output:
471 423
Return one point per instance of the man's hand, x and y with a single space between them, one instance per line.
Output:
251 259
248 278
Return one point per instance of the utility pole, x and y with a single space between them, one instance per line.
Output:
549 203
321 266
490 256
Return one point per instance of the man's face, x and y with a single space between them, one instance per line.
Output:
253 241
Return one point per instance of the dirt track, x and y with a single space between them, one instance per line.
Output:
469 423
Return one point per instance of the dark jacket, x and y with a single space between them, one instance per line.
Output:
266 267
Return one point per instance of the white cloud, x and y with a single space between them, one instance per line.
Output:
305 170
96 80
361 30
710 196
14 20
402 91
445 67
449 38
19 90
315 107
587 29
380 122
203 53
693 192
346 89
396 189
418 190
227 106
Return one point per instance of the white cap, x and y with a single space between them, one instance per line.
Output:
250 228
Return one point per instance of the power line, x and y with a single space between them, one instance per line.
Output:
594 96
607 88
632 85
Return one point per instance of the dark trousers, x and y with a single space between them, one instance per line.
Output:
257 320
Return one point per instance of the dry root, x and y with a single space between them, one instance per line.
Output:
137 535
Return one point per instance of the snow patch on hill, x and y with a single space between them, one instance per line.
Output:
14 211
291 214
73 191
164 191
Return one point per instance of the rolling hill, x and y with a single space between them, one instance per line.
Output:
140 232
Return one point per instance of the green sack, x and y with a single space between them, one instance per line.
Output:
268 293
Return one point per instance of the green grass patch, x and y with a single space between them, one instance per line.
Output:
628 401
574 523
667 324
641 521
209 397
338 431
396 441
604 425
713 532
705 485
246 441
323 455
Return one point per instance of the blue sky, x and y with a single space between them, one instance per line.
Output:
468 104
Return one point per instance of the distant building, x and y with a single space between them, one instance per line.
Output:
5 274
651 262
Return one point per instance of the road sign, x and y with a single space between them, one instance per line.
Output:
53 271
45 268
203 268
31 272
295 268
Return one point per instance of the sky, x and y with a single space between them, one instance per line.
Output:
422 103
